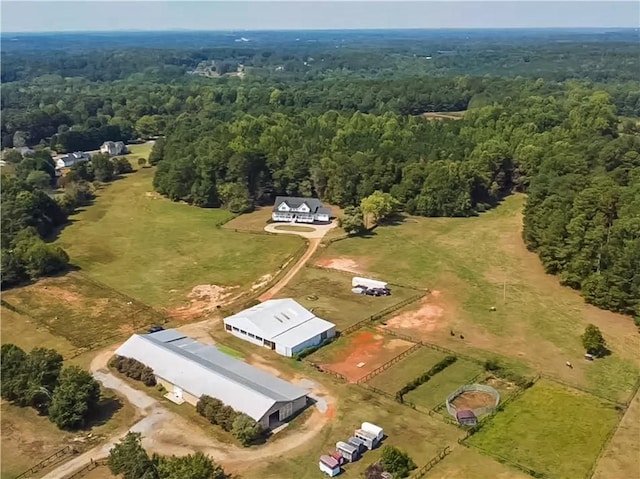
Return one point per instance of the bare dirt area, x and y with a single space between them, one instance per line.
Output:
473 400
203 300
429 317
275 289
342 264
365 352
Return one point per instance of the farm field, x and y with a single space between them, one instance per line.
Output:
358 354
159 251
473 264
75 309
467 463
335 302
428 395
546 425
418 362
620 458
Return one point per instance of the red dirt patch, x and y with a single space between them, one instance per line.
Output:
342 264
368 349
429 317
203 299
473 400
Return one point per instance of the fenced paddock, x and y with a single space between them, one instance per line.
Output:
399 374
493 399
433 392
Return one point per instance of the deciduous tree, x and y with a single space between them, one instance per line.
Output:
75 399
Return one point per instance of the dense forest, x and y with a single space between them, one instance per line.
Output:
339 115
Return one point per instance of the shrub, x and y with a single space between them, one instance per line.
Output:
423 378
133 369
245 429
396 462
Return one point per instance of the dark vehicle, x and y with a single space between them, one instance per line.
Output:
155 329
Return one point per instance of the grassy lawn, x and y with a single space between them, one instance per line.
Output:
157 251
138 151
335 302
254 221
436 390
79 312
230 351
550 429
22 331
28 438
406 370
473 264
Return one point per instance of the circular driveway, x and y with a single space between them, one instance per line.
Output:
319 230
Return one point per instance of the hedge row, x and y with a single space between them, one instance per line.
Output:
410 386
245 429
494 367
133 369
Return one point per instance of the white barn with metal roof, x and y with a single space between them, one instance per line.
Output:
280 324
189 369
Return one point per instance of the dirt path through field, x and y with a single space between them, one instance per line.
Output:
275 289
168 433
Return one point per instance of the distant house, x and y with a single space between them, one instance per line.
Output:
71 159
300 210
113 148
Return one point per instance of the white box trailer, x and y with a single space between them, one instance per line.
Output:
369 283
373 429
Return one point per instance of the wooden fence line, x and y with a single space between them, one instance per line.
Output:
388 364
87 468
67 450
433 346
381 314
432 462
586 391
351 273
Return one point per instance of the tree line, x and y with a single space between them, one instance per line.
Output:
69 396
243 428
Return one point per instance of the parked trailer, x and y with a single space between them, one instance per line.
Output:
369 283
359 443
369 439
372 428
329 466
349 452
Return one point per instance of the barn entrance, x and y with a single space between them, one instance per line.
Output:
274 419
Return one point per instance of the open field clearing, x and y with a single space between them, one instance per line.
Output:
550 429
328 294
168 254
467 463
358 354
408 369
621 458
138 151
28 438
473 264
28 334
428 395
444 115
75 308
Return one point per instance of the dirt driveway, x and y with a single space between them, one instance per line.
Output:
168 433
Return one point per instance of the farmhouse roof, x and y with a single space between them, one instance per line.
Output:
295 202
203 369
282 320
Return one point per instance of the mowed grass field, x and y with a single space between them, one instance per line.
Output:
418 362
467 463
157 250
550 429
76 311
473 264
435 391
335 302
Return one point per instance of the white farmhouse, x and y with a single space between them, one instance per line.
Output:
189 369
113 148
280 324
71 159
300 210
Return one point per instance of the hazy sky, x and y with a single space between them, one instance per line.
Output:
89 15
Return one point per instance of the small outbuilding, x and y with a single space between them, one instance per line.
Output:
283 325
369 439
466 417
329 465
350 452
